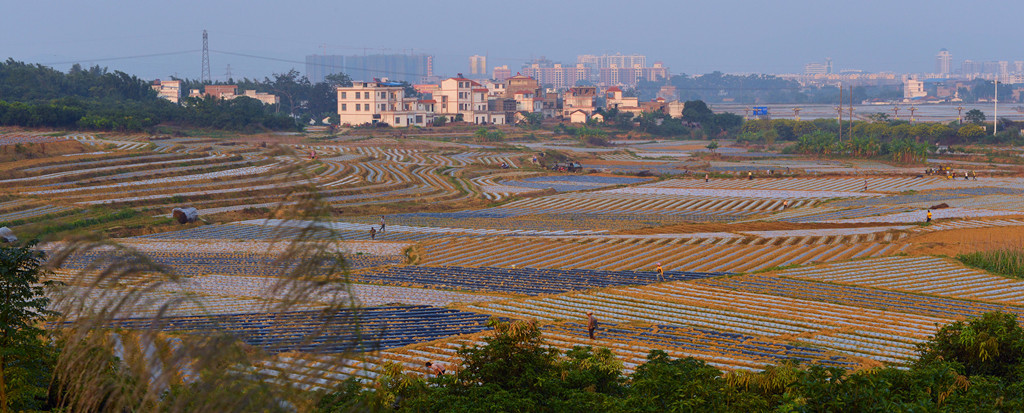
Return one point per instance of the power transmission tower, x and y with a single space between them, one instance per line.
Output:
205 77
227 73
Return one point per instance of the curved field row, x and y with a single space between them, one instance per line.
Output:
861 297
190 263
71 173
109 159
117 144
598 202
363 329
970 223
925 275
875 184
32 212
526 281
74 301
619 254
630 344
890 337
16 138
278 289
241 171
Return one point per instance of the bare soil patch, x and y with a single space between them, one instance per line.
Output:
959 241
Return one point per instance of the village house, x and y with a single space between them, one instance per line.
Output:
382 102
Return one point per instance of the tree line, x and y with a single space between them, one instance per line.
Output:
903 141
96 99
975 365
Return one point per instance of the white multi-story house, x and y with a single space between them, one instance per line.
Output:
382 102
461 96
167 89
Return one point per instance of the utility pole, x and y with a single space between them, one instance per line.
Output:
840 109
205 76
995 110
912 110
851 112
796 113
959 110
896 112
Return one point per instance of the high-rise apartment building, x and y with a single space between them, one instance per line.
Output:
819 68
411 68
944 62
478 66
501 73
612 60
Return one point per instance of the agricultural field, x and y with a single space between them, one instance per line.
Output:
771 258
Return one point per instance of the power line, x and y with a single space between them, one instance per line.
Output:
277 59
104 59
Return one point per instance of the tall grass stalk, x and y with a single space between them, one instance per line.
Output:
1003 256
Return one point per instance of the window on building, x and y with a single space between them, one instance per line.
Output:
344 107
343 95
366 106
398 121
357 107
419 119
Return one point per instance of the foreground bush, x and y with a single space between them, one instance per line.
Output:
968 366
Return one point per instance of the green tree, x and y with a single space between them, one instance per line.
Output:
975 116
712 146
480 134
697 111
970 132
26 359
991 345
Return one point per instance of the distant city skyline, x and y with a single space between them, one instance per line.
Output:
261 37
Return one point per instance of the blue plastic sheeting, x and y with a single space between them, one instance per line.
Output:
526 281
359 330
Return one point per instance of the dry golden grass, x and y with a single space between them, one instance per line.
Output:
960 241
37 152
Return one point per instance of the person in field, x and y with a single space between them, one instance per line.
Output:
929 219
373 233
435 368
382 223
591 324
661 272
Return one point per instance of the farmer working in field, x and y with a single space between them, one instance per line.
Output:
591 324
435 368
661 273
929 219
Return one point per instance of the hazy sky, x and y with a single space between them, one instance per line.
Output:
689 36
